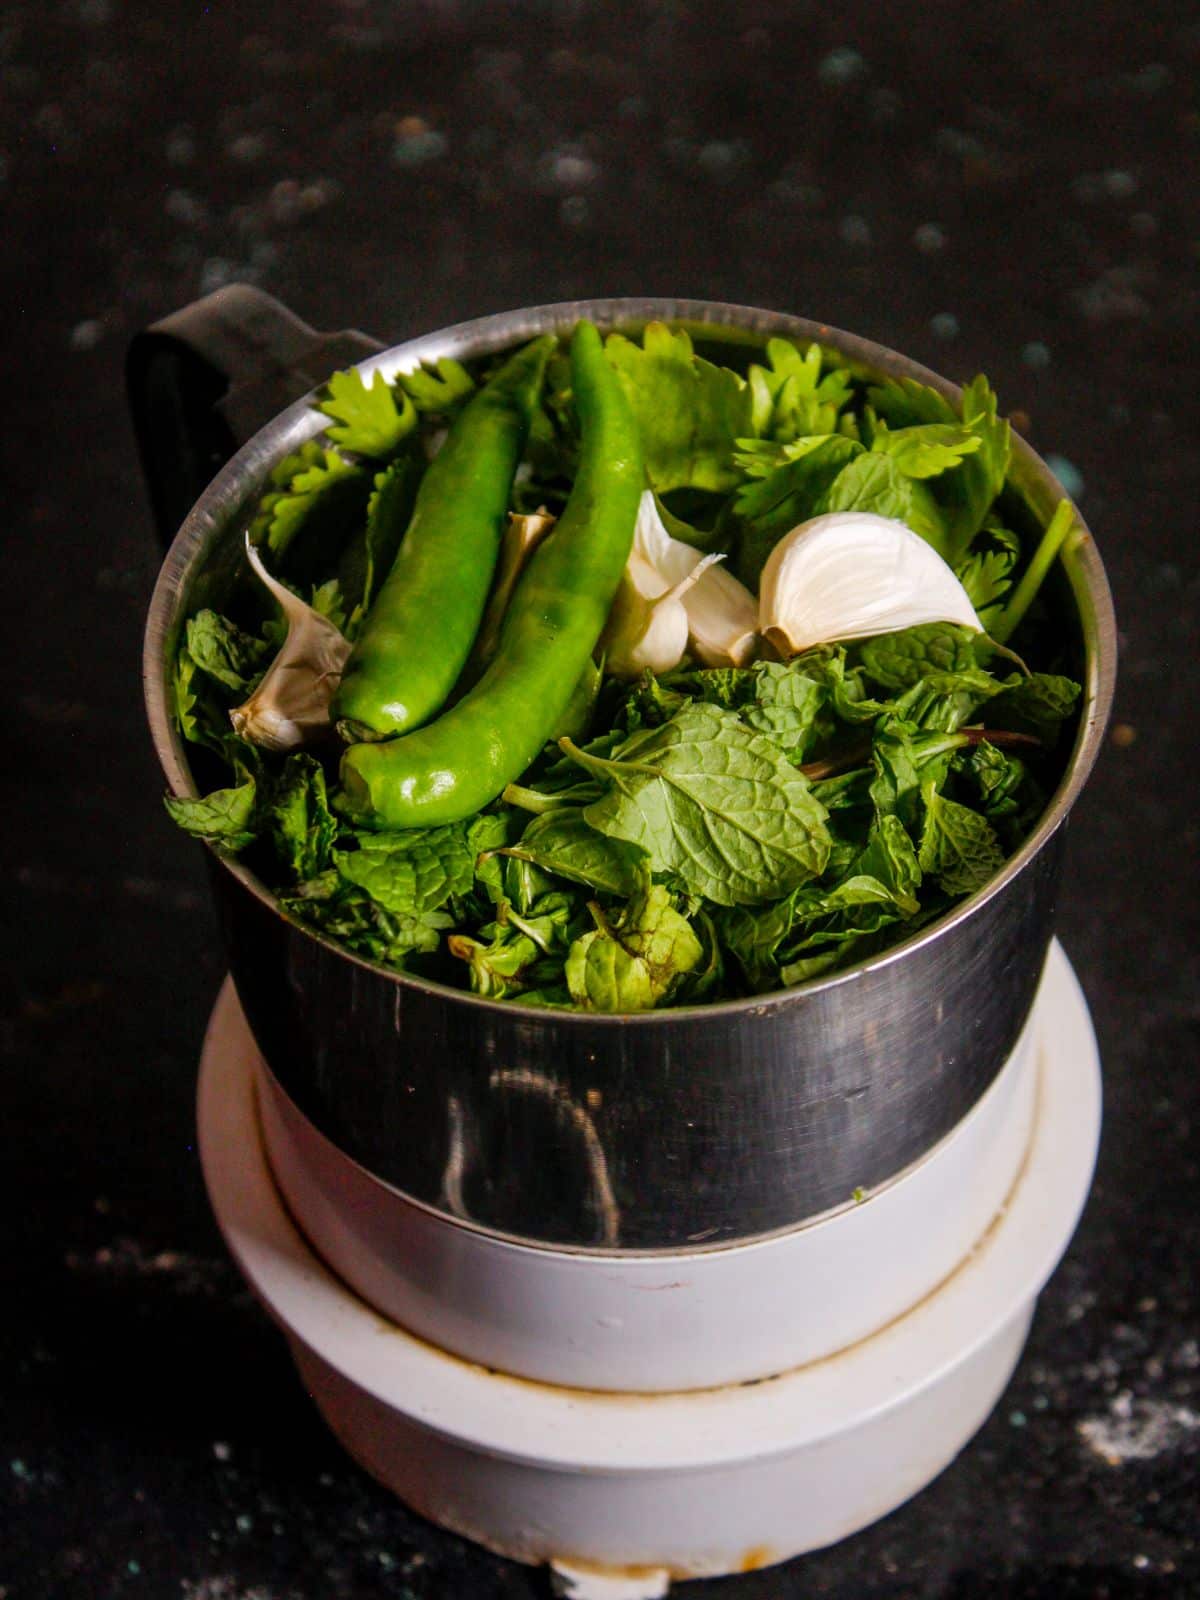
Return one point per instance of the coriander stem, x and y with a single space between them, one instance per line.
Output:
1044 556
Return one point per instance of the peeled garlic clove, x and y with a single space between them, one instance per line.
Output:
722 620
648 624
291 704
721 612
851 575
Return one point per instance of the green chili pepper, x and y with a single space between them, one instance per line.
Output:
456 765
419 631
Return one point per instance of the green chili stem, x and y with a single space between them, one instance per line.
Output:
1044 557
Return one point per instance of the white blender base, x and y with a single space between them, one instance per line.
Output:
620 1492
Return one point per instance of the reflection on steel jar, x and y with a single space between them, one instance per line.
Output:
673 1130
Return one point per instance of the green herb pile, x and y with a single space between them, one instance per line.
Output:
709 833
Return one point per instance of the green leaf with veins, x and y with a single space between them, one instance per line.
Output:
997 777
413 871
225 652
714 803
925 450
631 964
898 660
875 483
371 419
959 848
689 411
906 760
1038 705
562 842
225 817
346 913
302 826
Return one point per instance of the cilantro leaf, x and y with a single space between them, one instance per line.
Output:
436 386
713 803
365 417
769 507
964 495
985 572
790 397
690 412
959 848
926 450
224 817
316 499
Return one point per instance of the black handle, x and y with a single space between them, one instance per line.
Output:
205 379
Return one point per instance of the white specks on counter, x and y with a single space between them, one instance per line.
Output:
1137 1429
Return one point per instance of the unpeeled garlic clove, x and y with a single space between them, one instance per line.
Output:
851 575
291 704
721 613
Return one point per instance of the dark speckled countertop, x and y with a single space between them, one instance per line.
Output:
1009 187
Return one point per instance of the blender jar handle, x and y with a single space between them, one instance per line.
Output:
206 378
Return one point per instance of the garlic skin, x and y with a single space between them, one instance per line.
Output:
290 707
851 575
721 613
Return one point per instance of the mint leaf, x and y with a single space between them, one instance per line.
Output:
889 858
907 763
344 912
220 648
1038 705
690 412
224 817
411 872
516 952
632 964
927 449
959 848
365 417
562 842
715 804
302 826
898 660
787 708
876 484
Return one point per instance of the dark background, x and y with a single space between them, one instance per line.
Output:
1000 187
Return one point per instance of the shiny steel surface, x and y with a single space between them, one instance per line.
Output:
678 1128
